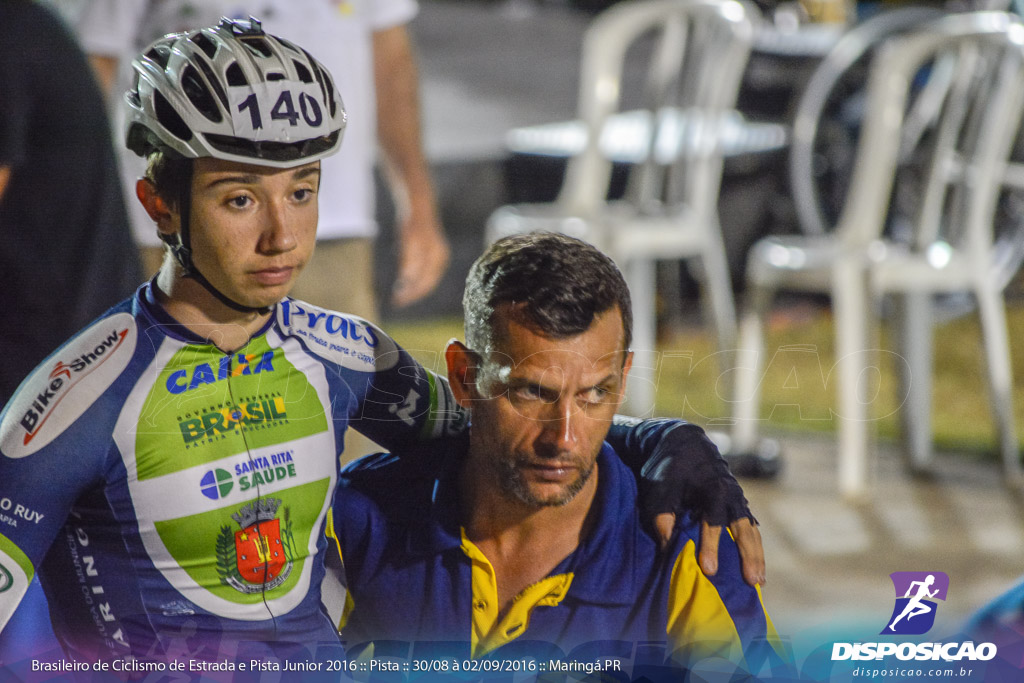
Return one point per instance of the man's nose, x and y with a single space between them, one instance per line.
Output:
561 428
278 233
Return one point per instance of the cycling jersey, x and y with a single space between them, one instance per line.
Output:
158 482
416 580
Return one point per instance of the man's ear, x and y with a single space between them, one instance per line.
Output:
463 365
162 214
627 365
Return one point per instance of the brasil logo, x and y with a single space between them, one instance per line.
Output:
256 558
916 592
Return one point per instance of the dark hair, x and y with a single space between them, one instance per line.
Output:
561 282
169 173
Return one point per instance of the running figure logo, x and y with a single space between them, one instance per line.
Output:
916 592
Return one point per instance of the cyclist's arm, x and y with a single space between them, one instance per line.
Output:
55 444
37 490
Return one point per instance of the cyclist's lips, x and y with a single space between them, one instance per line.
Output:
277 275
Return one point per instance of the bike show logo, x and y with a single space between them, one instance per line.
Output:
914 612
217 483
257 557
63 379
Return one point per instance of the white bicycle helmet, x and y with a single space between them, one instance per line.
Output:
236 93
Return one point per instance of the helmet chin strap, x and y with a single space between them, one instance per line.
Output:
182 250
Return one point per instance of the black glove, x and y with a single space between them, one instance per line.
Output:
678 469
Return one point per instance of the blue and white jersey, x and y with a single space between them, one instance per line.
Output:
157 484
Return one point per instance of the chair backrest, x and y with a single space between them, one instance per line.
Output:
980 57
695 52
814 158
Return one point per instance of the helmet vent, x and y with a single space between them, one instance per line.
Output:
275 76
303 72
235 76
169 118
199 94
258 46
213 81
289 46
205 44
325 85
161 54
272 150
329 84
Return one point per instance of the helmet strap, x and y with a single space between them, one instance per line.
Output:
182 250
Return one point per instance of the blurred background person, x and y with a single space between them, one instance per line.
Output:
68 253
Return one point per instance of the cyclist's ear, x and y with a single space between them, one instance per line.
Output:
166 220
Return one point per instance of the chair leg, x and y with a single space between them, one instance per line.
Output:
641 388
746 394
1000 377
720 303
850 306
913 327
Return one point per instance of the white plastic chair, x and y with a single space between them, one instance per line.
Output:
697 53
981 58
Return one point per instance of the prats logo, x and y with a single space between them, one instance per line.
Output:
916 592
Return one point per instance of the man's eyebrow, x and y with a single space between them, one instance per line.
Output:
306 172
526 381
252 178
231 179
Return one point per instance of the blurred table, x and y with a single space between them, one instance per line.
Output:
624 138
805 40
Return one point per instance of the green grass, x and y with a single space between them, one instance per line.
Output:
797 380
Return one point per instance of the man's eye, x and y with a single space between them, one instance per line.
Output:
304 194
240 202
596 395
527 393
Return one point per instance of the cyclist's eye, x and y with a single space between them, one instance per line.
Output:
240 202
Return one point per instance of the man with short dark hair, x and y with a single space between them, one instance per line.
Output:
529 530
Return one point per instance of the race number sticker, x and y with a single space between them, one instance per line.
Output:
277 110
